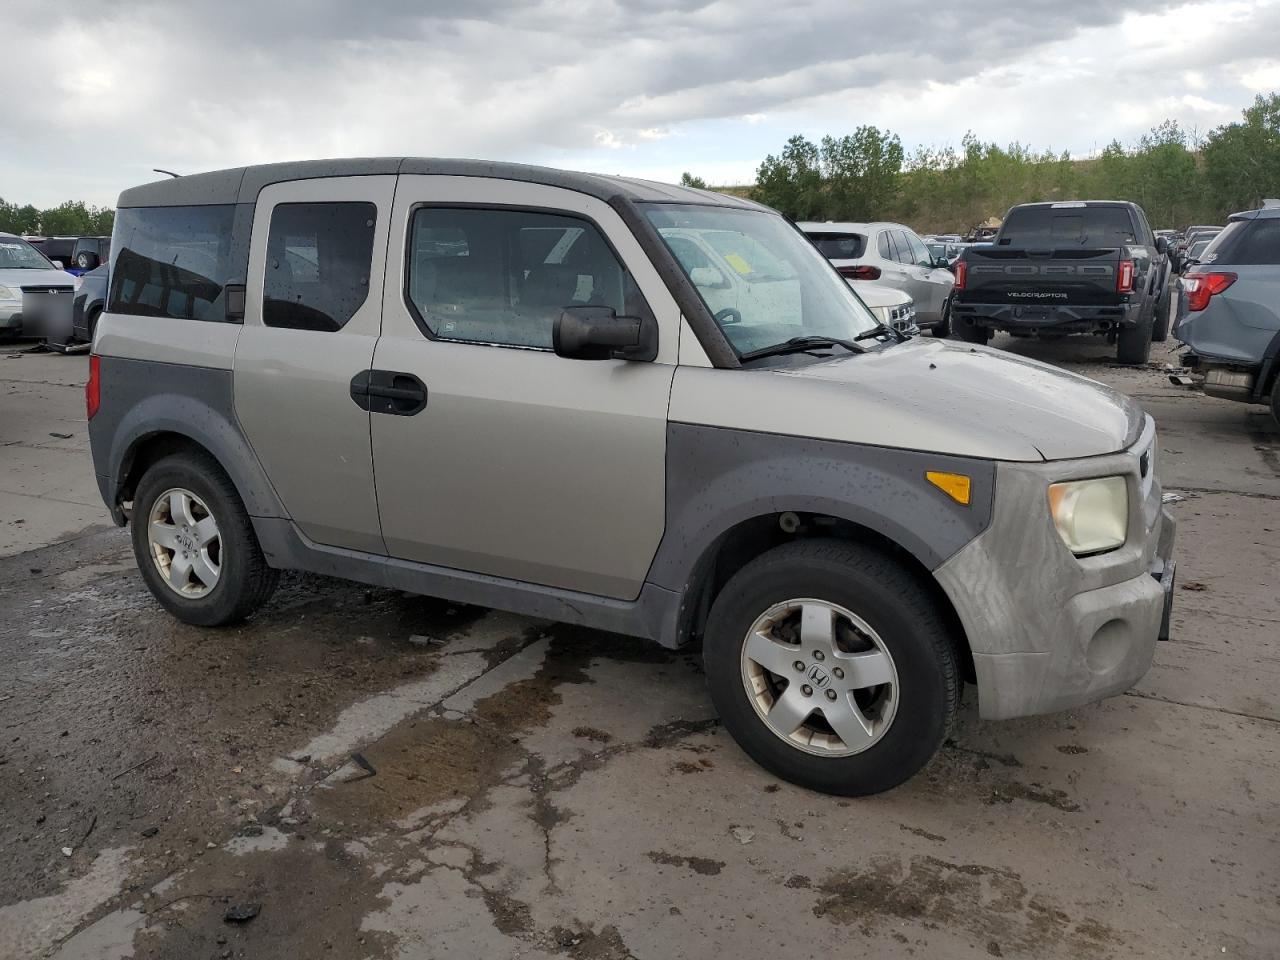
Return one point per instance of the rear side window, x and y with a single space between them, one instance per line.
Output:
888 249
1246 243
319 256
504 276
1068 226
171 262
840 246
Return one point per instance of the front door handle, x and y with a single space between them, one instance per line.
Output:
389 391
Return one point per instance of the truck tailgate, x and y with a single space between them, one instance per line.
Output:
1074 275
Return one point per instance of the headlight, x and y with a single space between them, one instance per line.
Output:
6 293
1091 515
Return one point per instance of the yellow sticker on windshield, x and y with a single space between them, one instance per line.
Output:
737 263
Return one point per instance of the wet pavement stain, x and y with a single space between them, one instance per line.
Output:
987 903
419 763
702 865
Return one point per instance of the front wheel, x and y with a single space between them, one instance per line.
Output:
832 667
1164 311
195 545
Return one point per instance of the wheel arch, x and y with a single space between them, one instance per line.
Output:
751 537
165 424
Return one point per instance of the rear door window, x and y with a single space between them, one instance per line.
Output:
319 256
1246 243
171 262
888 249
840 246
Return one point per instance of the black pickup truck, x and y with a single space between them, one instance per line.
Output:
1083 266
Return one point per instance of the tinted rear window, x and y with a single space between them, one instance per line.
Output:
1068 226
839 246
1246 242
171 261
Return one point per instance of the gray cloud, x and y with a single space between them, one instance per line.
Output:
208 83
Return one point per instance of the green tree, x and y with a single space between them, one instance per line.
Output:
16 219
792 181
689 180
1242 160
860 173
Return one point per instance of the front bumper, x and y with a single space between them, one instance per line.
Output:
11 317
1061 318
1050 631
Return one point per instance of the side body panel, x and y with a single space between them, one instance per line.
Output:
293 387
524 465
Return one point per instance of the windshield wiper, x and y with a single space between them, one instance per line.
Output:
802 344
880 330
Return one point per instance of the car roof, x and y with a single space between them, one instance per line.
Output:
242 184
1068 204
832 226
1262 213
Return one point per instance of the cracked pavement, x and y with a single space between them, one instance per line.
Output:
388 776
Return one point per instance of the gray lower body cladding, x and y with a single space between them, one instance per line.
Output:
142 399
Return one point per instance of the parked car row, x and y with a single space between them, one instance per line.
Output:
75 255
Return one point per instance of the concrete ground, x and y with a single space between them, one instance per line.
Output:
380 775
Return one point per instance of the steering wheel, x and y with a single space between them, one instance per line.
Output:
723 316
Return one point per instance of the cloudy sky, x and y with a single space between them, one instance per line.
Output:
97 94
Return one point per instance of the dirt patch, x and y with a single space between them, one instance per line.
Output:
584 943
798 881
1012 790
703 865
1072 749
688 766
592 734
920 832
989 904
529 702
419 763
312 896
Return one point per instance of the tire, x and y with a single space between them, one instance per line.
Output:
972 333
82 261
1133 344
905 637
1275 399
91 323
242 581
943 327
1160 328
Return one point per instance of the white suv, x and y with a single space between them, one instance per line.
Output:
891 255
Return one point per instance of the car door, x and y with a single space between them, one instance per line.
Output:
933 283
313 310
519 464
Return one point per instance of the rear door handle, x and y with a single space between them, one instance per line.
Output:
389 391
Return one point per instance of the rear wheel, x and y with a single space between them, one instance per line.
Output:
972 333
943 327
82 261
1133 344
195 545
830 665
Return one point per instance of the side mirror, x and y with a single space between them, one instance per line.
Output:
59 264
1162 245
941 263
597 333
708 277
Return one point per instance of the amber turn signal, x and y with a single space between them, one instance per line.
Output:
955 485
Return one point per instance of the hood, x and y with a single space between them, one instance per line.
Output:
874 295
935 395
941 394
17 279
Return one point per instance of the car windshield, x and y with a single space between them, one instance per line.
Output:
726 252
17 254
